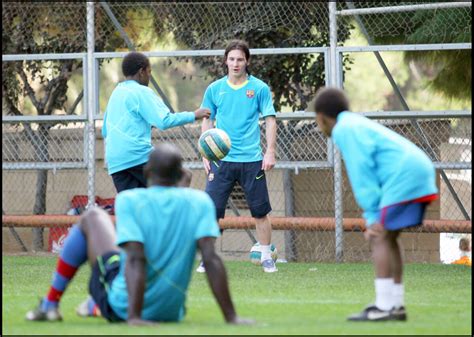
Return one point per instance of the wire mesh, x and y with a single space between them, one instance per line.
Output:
206 25
304 188
42 27
45 142
442 25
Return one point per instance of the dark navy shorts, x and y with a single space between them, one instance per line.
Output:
405 214
127 179
104 272
222 178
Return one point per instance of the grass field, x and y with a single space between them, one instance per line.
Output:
302 298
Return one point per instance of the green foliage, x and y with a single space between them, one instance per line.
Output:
302 298
40 28
450 71
293 78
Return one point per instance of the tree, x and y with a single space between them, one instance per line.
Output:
293 78
37 28
449 71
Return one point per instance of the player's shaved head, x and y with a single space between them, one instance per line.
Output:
164 166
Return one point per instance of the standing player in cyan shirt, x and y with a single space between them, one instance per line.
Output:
141 268
393 182
133 109
236 102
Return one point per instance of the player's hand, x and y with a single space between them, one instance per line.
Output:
374 231
140 322
269 161
241 321
202 113
207 165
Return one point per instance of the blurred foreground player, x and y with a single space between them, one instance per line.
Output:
141 268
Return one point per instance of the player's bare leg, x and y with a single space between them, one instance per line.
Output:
100 232
94 235
386 264
398 291
264 236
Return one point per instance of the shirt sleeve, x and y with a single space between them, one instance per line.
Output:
157 114
127 227
207 225
265 102
358 150
208 102
104 126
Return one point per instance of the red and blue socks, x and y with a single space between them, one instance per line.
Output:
72 256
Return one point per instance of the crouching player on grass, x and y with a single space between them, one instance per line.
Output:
393 182
141 268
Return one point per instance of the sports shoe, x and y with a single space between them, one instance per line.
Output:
84 310
399 313
39 314
372 313
200 268
269 266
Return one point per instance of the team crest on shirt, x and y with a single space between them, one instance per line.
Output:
211 177
250 93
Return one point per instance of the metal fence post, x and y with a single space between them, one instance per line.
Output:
90 105
333 81
404 103
186 133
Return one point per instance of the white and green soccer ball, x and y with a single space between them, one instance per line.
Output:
256 254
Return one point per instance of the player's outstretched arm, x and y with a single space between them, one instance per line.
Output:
202 113
135 277
217 278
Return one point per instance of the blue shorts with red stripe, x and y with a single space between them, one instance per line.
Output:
405 214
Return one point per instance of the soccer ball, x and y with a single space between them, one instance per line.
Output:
214 144
255 253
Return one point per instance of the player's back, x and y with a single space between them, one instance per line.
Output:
126 132
403 171
168 221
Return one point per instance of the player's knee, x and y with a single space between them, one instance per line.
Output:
260 218
381 239
91 218
260 212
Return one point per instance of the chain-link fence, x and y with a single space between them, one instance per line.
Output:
45 147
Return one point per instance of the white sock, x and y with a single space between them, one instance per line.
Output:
266 253
384 293
398 293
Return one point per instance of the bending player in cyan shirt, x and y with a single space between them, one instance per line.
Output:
393 182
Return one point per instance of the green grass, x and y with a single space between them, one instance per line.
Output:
302 298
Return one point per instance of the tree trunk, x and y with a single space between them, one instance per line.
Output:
40 208
42 155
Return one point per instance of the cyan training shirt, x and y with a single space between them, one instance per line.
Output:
384 168
236 110
168 221
131 112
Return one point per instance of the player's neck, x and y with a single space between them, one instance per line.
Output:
161 182
237 80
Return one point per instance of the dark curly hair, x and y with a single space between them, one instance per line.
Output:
331 102
133 62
